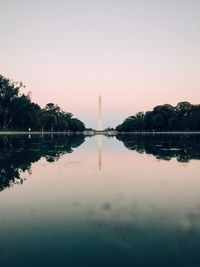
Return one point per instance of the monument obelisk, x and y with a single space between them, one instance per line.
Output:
100 115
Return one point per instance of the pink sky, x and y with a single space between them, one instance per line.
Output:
135 54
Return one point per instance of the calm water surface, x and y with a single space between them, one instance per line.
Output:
71 201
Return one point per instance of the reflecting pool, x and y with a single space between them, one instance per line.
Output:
126 200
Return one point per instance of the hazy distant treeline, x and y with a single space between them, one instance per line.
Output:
18 112
183 117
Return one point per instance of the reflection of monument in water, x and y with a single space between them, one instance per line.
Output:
100 136
99 151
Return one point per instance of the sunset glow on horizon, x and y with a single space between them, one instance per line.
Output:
136 54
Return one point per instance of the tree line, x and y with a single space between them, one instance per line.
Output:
183 117
18 112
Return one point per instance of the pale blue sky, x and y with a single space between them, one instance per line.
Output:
137 54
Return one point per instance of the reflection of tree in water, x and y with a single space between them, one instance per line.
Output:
18 152
183 147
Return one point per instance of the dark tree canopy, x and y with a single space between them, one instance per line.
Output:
183 117
18 112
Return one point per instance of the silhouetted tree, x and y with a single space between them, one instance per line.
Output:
9 93
183 117
18 112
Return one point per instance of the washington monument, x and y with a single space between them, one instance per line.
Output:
100 115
